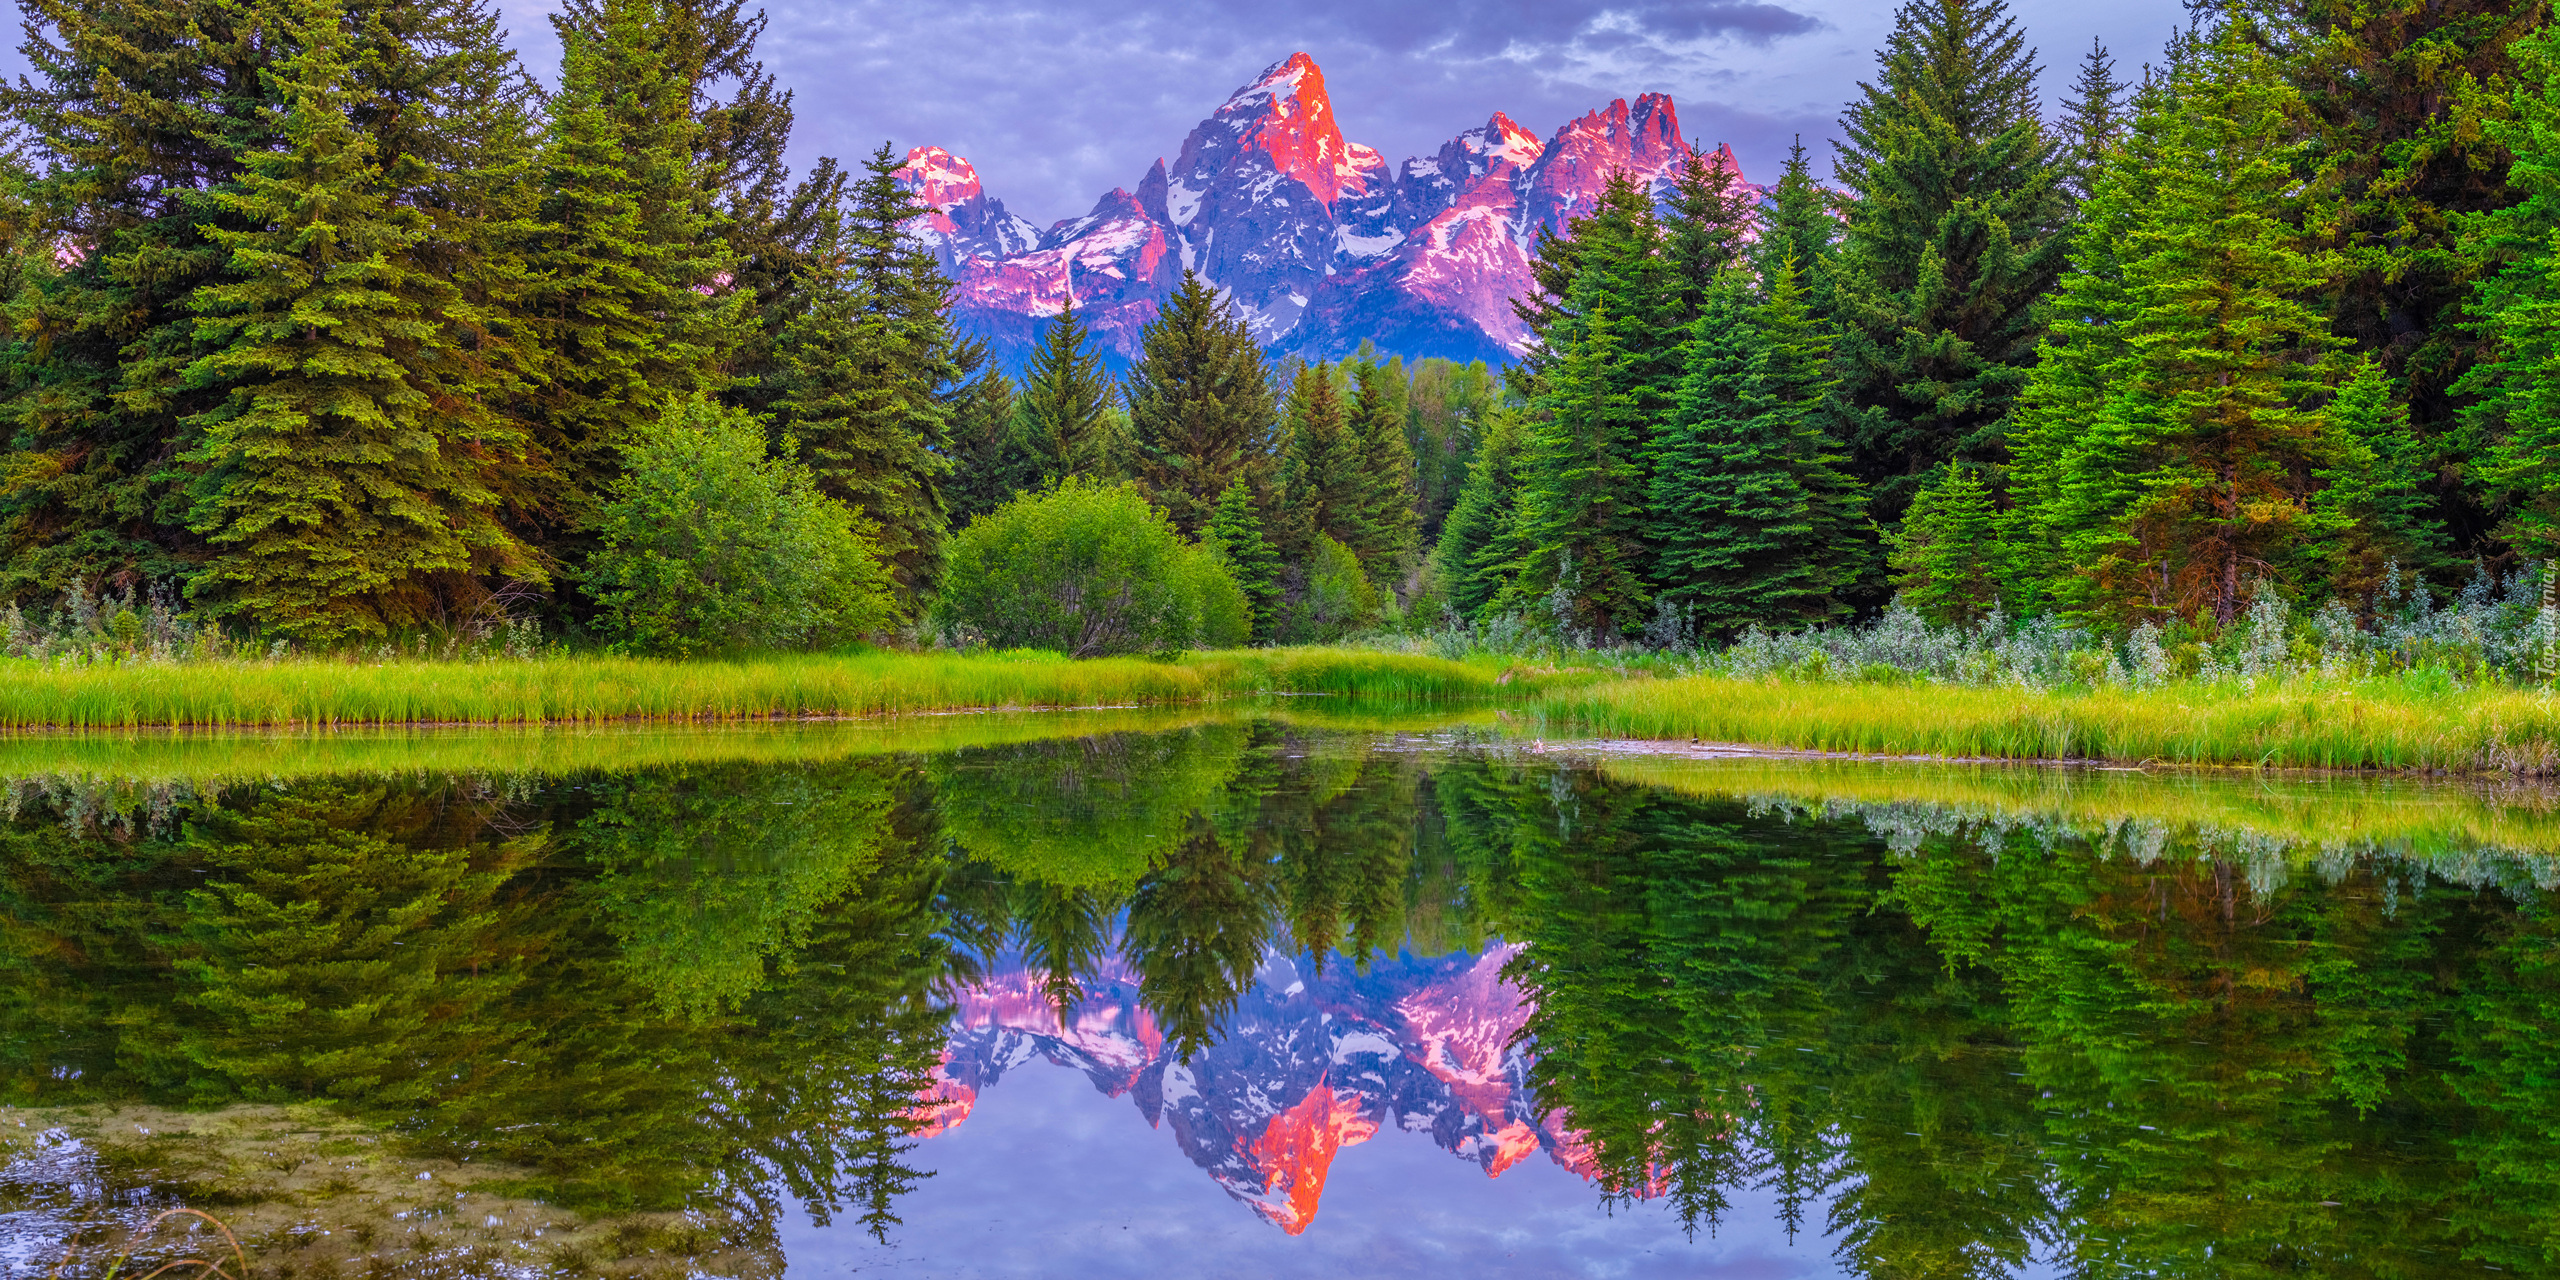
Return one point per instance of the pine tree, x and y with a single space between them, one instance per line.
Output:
1707 225
990 463
1237 531
1621 223
1946 555
2518 384
1201 409
1583 508
1799 224
869 374
2092 118
138 110
1321 490
628 267
2174 454
2371 511
1757 520
1065 397
339 476
1480 546
1383 530
1955 230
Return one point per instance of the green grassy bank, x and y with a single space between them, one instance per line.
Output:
593 690
2360 725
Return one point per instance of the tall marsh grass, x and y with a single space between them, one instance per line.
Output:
303 693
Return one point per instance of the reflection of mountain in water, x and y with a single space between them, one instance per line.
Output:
1310 1063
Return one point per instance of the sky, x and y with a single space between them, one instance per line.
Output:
1058 101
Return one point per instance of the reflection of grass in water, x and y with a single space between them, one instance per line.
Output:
312 1192
593 689
2305 815
2365 725
123 1258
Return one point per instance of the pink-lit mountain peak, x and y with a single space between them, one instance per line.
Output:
938 178
1285 117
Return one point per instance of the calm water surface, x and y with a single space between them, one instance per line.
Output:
1259 997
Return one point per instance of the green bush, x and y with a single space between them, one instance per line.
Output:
1338 600
1087 569
708 544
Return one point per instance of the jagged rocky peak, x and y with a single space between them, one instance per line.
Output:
1642 141
1284 119
961 222
938 178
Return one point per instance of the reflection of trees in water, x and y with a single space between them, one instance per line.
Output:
1965 1037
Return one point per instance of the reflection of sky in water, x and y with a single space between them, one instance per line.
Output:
1050 1178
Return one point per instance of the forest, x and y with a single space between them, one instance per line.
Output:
330 324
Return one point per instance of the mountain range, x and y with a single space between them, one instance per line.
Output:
1317 240
1308 1063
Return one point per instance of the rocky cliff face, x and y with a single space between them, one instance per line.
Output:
1309 1064
1319 242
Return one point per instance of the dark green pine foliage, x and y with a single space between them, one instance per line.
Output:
1201 407
1237 531
2517 412
1707 226
989 462
1480 541
870 371
1320 485
2092 118
2372 496
1621 224
1956 227
1583 508
347 468
1946 555
1799 224
134 111
629 265
1066 394
1757 519
1385 527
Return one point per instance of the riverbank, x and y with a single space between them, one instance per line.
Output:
592 690
2357 725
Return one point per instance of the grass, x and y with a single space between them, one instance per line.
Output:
2361 725
596 690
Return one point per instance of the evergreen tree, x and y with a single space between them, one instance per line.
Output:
870 371
1946 554
2375 514
1757 519
1479 543
1383 531
1237 531
1065 397
1321 490
343 472
1955 229
1200 406
1583 508
2173 455
990 463
1620 223
2092 118
628 269
1799 224
1707 225
133 113
2518 384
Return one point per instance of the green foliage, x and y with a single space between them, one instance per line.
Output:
1956 227
1201 412
350 464
1451 407
1235 534
2518 386
2170 446
1338 598
1481 542
1707 226
1088 569
990 461
2375 515
2092 118
1383 529
1066 397
708 545
1320 484
1947 554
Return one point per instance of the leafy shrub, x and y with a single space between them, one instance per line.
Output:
1087 569
1337 600
708 545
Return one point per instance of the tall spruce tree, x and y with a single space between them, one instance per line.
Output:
1707 225
1583 509
1799 224
1956 227
628 272
1620 223
2092 118
1946 555
1066 396
1384 529
870 372
1321 490
1236 530
347 468
1201 407
2517 412
990 463
2172 454
2372 512
132 114
1480 546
